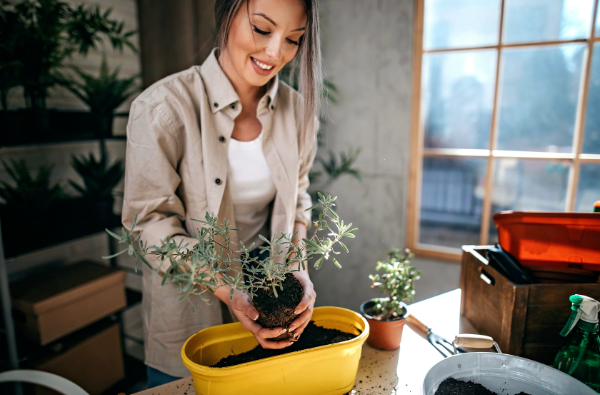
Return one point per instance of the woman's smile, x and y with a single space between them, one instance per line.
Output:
261 68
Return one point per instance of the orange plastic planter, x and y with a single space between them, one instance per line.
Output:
551 238
325 370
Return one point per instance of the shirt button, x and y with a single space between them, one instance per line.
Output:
233 106
216 104
218 181
221 139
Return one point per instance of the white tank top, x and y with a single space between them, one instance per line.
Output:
251 188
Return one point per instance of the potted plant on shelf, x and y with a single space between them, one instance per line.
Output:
28 204
386 316
103 94
99 181
215 255
43 34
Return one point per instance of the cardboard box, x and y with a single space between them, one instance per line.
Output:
55 303
94 362
524 320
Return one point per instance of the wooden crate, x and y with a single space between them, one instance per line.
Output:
91 358
53 304
525 320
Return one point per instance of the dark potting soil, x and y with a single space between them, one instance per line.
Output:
278 311
313 336
451 386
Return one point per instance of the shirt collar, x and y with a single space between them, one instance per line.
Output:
221 93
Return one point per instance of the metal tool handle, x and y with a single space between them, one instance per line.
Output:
475 341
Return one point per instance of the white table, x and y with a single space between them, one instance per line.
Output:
387 372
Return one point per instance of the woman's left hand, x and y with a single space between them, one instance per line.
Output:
306 305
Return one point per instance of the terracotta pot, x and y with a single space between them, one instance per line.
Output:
384 335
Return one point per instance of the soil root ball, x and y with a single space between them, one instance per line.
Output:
278 311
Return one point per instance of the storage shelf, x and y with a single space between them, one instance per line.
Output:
46 238
73 127
18 238
81 138
133 297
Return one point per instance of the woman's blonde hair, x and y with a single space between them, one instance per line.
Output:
307 60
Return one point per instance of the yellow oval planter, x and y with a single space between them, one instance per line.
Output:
321 370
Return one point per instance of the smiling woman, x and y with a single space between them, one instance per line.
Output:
263 36
227 138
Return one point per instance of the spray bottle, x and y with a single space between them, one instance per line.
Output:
580 357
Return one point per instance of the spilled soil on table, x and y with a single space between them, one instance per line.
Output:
313 336
451 386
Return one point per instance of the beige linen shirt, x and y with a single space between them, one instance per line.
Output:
176 169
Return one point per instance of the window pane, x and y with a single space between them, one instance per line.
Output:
520 185
451 201
461 23
457 98
538 98
597 24
591 138
546 20
588 190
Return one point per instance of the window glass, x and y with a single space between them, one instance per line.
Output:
457 98
523 184
546 20
539 89
461 23
597 34
591 137
588 190
451 201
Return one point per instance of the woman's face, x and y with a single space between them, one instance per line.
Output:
264 36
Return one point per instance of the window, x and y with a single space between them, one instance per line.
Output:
506 116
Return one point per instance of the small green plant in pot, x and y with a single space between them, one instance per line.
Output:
386 316
99 180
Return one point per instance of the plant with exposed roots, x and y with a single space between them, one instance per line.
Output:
216 260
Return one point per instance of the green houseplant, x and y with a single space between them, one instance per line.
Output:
36 38
35 195
46 32
102 93
99 181
9 65
29 202
209 264
386 316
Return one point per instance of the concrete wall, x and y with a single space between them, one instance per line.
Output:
367 47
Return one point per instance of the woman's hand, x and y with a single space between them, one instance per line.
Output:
305 308
245 312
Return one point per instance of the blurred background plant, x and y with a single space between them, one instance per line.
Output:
10 67
29 194
99 178
38 35
99 181
397 282
103 94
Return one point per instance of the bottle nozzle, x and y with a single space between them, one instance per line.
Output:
584 308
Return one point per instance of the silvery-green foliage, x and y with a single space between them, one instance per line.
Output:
216 260
396 282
